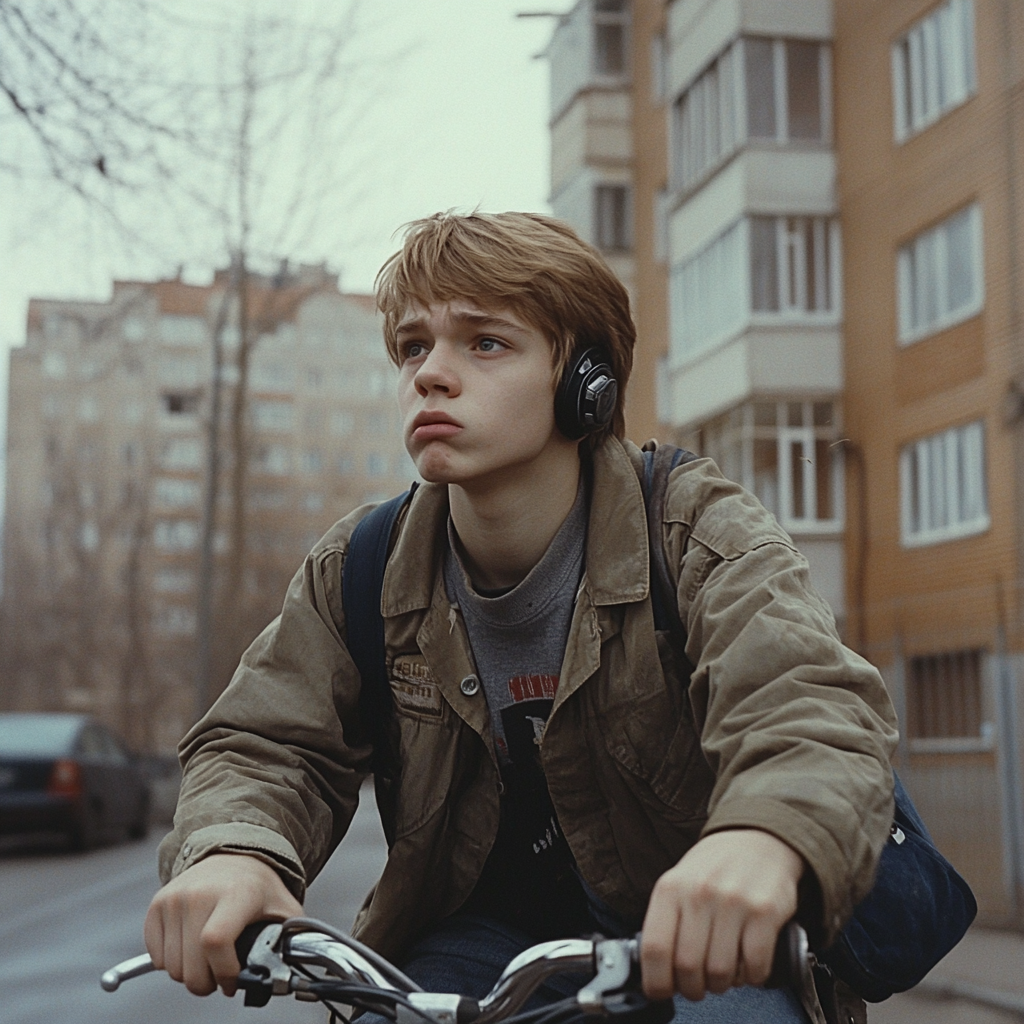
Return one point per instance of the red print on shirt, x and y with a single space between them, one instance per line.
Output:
533 687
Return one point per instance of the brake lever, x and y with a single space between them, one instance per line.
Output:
265 974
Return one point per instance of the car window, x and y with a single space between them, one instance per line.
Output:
90 743
112 749
36 735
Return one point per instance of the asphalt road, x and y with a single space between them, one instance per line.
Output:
66 918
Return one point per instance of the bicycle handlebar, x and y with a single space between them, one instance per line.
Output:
279 958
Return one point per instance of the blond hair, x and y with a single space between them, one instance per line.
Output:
532 265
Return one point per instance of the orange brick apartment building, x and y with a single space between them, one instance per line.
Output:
818 207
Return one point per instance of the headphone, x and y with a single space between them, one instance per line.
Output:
586 395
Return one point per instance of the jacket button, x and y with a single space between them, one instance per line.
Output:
470 685
186 850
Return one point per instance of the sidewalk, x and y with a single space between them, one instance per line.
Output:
980 982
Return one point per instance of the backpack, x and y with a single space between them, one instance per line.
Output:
919 907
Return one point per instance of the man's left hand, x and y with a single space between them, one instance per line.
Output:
714 918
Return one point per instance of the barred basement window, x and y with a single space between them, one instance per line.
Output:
944 702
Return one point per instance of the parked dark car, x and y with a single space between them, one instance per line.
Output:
68 773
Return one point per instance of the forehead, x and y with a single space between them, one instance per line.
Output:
436 316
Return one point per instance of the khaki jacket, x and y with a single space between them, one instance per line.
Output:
780 727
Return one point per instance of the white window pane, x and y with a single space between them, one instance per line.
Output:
960 261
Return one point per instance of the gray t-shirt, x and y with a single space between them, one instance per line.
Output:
518 641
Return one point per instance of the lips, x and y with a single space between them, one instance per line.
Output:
433 426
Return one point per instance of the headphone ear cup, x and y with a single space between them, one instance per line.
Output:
587 394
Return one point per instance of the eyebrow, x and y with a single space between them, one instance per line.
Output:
465 317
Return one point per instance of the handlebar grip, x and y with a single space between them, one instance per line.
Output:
790 962
247 939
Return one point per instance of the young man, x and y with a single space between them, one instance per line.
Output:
561 769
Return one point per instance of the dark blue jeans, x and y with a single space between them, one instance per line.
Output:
466 953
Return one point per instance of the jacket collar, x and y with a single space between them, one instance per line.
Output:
617 563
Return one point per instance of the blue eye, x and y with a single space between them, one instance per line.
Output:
489 344
413 350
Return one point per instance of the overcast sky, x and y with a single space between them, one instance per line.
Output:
460 121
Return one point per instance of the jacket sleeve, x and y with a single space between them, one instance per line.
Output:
798 729
274 768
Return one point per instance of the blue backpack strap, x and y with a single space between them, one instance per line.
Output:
659 461
362 579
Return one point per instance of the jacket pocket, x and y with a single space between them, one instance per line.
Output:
653 738
426 746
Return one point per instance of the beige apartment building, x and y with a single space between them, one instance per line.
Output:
107 470
822 214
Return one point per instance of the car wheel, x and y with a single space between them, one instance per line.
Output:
140 824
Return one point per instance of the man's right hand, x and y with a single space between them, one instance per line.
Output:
194 920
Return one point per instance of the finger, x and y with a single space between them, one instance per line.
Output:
196 973
757 945
657 950
722 965
217 941
153 933
692 952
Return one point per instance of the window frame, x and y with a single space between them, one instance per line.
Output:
909 283
915 479
913 113
741 424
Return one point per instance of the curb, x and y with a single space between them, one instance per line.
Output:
953 988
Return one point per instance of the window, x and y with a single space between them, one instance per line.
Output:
612 218
180 403
312 461
133 328
179 371
175 493
275 375
182 330
706 294
132 410
175 534
786 454
268 500
313 502
274 459
376 465
89 536
707 121
774 268
173 581
182 453
174 620
933 67
939 276
788 90
770 90
610 47
793 265
54 365
270 415
944 702
942 486
346 465
342 423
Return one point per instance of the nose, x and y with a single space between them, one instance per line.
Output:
437 373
